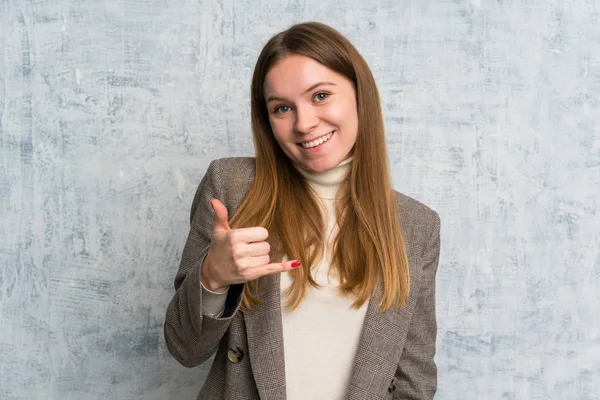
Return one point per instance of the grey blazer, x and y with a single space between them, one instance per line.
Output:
395 356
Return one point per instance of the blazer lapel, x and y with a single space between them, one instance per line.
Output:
264 328
380 346
265 341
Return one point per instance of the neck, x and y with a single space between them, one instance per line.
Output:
327 183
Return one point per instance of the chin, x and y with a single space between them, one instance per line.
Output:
322 166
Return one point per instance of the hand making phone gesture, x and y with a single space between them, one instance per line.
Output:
237 255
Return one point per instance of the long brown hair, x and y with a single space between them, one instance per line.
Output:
369 245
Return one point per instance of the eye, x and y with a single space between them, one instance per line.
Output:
320 96
281 109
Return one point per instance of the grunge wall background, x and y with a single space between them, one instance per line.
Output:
110 112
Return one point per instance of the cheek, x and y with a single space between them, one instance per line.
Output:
350 122
278 126
344 113
352 115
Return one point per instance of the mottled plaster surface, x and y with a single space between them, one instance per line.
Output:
110 112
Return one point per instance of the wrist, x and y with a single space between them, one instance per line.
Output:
218 292
206 280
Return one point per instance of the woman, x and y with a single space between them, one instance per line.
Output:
322 283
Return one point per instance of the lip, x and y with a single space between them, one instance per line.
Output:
319 149
318 137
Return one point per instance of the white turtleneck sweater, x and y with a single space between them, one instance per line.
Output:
321 335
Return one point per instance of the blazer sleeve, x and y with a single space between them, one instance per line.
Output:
417 371
191 334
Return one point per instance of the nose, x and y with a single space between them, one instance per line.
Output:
306 120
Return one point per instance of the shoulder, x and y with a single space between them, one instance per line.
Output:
231 179
231 170
232 167
419 221
413 211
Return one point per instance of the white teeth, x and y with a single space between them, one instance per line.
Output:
318 141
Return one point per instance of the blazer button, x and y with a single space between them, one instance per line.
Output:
235 355
392 386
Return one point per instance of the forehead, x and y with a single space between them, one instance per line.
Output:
294 74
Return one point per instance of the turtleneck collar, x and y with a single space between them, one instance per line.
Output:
326 183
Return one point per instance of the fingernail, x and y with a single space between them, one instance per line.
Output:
296 264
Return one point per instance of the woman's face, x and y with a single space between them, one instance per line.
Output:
312 111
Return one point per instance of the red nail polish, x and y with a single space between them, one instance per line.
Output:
296 264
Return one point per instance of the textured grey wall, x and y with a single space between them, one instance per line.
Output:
110 112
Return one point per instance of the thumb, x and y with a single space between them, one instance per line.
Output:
221 223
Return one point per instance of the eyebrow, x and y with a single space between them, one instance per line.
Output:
313 87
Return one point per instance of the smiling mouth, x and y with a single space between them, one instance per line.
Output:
316 142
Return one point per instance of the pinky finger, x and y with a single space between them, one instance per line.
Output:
273 268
